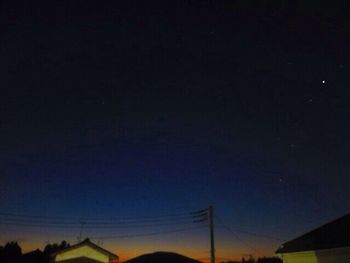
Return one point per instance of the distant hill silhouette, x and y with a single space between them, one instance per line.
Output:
162 257
36 256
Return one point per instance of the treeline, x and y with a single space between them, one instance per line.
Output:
12 253
259 260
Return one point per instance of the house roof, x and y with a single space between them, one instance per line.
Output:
160 257
33 253
331 235
90 244
33 256
79 260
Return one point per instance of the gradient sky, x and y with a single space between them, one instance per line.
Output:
156 108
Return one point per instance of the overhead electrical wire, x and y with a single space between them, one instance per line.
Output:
249 232
68 222
237 236
148 234
189 218
259 235
111 222
110 218
189 221
86 225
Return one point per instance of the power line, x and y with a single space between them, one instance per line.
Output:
148 234
236 236
87 226
254 234
35 221
259 235
124 222
113 218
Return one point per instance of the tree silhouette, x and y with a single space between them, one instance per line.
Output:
10 252
53 248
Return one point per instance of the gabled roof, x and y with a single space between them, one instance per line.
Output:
33 256
161 257
33 253
87 242
79 260
331 235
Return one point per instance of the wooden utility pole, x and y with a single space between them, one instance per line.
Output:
211 231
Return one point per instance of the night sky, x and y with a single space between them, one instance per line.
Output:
142 109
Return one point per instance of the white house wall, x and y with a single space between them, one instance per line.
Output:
84 251
339 255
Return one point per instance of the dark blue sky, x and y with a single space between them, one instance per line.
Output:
122 109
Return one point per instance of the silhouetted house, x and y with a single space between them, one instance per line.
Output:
84 252
329 243
36 256
162 257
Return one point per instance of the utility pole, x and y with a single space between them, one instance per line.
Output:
211 231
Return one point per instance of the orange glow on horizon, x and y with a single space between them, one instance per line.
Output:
126 254
127 250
